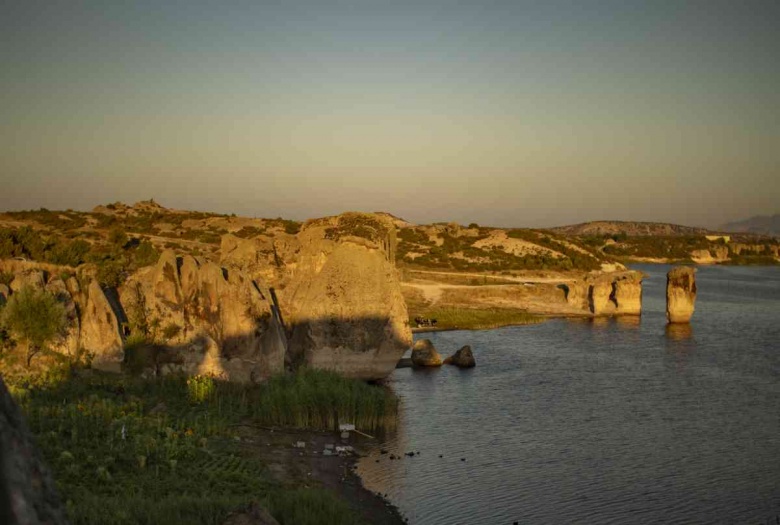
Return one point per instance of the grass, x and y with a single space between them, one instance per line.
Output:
133 451
455 318
321 400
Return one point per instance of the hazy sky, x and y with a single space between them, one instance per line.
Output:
503 112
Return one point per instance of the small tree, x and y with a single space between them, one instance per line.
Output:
35 318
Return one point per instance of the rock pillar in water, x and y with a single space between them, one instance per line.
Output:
680 294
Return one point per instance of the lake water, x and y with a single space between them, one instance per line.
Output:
609 421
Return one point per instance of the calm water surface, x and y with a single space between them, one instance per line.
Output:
600 422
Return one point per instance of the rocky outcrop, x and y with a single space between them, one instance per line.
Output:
615 293
69 342
628 293
712 255
343 301
31 277
217 321
600 298
100 333
680 294
463 358
576 294
28 494
425 354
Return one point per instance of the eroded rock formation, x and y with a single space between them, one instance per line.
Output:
214 321
425 354
463 358
343 301
615 293
680 294
335 284
100 333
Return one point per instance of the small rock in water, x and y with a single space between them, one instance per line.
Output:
441 455
463 459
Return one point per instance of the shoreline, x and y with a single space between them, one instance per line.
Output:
307 467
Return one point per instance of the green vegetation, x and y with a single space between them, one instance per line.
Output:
34 318
319 400
751 260
666 247
6 278
358 226
129 451
459 253
453 318
572 258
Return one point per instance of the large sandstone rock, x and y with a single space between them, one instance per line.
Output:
344 301
463 358
218 321
615 293
425 354
166 282
680 294
28 495
100 331
576 294
600 297
628 293
69 343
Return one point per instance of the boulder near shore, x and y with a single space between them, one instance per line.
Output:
424 354
463 358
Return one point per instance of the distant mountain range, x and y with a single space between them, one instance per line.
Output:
760 224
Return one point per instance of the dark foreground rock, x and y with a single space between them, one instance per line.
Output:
425 354
27 491
463 358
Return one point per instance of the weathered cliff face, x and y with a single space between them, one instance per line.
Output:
628 293
100 333
713 255
28 494
343 301
680 294
214 320
615 293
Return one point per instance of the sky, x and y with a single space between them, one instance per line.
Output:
504 113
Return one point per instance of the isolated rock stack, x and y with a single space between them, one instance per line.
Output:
680 294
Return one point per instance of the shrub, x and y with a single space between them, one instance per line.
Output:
200 388
6 278
145 254
35 317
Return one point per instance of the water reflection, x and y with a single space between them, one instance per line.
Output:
679 332
629 321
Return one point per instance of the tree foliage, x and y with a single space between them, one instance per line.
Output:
34 317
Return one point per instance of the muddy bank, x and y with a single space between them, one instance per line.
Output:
308 467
